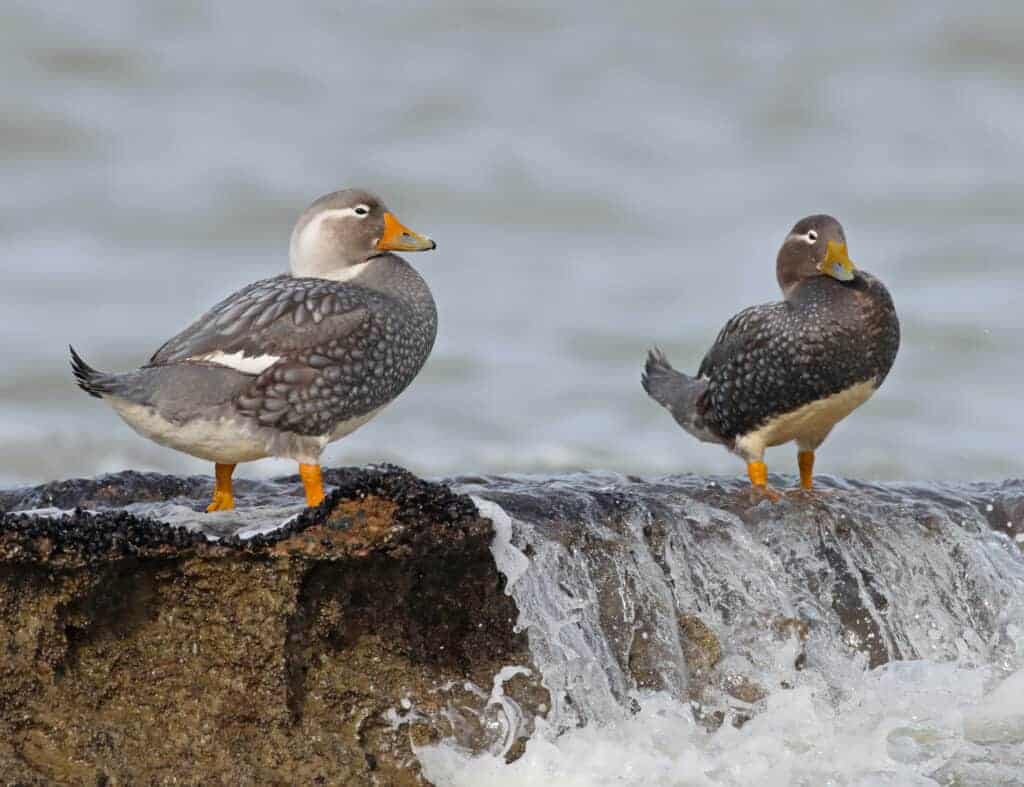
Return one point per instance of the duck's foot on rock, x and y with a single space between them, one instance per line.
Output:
221 502
815 493
759 493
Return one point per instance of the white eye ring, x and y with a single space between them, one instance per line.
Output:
811 237
362 211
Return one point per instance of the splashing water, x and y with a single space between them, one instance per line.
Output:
875 637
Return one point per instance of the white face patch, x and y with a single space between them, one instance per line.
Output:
810 237
309 238
239 361
311 253
359 211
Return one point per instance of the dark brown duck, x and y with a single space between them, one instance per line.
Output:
791 370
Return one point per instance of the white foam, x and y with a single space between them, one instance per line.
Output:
953 715
265 527
510 560
899 726
1000 717
51 512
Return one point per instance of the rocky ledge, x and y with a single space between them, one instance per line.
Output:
327 649
139 653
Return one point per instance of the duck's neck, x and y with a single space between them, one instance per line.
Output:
814 289
388 274
348 273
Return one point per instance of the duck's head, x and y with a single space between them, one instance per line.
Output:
340 233
816 246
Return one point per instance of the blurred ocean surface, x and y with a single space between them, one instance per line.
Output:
599 178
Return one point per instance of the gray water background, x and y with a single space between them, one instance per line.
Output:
599 178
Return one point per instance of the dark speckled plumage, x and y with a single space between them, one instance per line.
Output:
835 330
777 357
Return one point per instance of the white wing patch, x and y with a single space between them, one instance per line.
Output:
239 361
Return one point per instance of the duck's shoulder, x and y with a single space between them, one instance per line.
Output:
743 331
873 294
860 311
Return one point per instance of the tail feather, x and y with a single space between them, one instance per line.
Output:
676 392
93 382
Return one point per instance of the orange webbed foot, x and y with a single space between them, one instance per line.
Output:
312 483
765 492
806 490
759 489
223 497
221 503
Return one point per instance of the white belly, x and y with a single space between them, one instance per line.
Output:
220 439
808 425
229 440
349 426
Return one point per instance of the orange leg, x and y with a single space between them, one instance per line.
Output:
313 483
223 498
758 474
806 461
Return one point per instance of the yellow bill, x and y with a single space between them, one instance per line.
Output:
837 262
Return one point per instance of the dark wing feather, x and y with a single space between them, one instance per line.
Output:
756 368
278 316
743 332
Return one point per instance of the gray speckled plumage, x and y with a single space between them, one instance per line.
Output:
288 364
346 348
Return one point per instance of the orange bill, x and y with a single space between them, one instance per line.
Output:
398 237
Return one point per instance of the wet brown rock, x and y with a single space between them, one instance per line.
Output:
743 688
701 646
136 653
787 627
703 652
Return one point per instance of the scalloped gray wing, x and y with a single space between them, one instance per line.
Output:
275 316
343 350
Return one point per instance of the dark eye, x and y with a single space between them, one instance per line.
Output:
361 210
811 236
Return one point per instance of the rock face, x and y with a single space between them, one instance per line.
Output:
138 653
327 649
